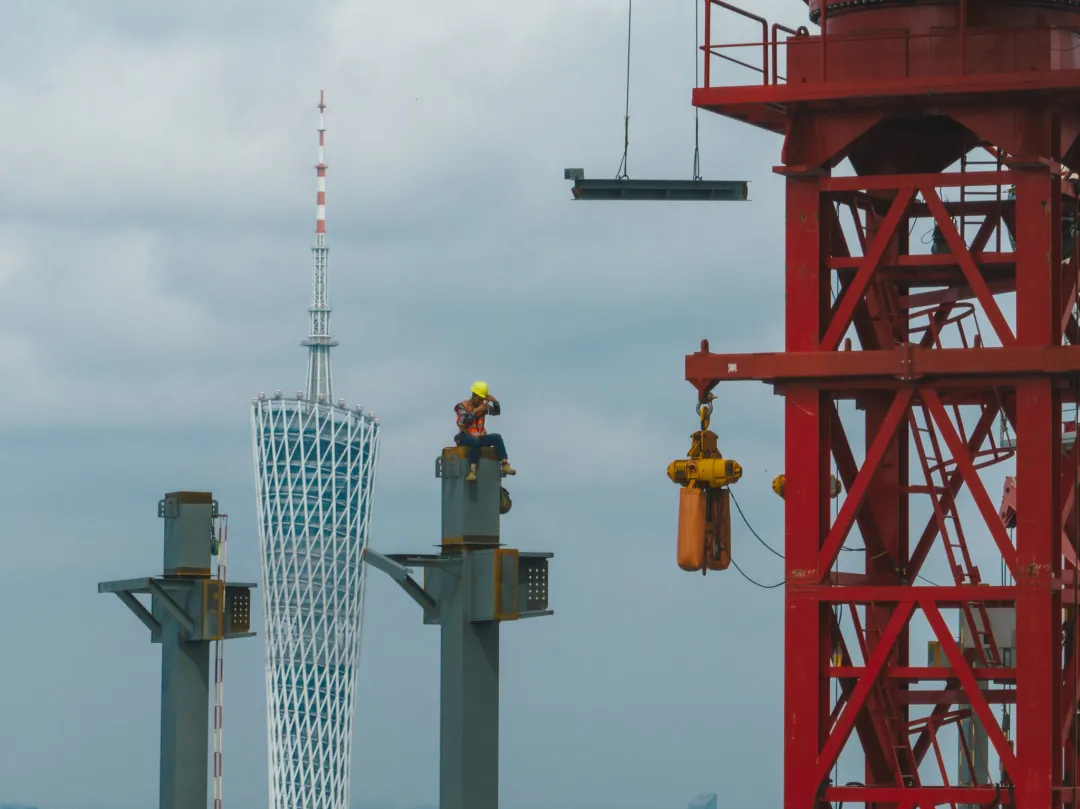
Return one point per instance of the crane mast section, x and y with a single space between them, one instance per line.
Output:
927 349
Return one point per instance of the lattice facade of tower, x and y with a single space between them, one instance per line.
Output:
315 467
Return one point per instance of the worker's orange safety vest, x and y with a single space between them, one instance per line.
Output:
477 426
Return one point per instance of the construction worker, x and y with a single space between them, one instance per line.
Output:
471 432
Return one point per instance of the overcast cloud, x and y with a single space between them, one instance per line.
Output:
156 211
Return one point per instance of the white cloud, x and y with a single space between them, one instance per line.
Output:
154 277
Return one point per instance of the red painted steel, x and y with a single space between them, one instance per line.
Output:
906 90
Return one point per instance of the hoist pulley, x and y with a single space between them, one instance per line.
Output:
704 538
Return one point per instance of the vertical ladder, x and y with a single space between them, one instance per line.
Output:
219 661
966 194
937 470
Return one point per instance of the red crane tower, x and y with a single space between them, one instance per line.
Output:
910 93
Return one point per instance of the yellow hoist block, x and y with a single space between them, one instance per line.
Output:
780 480
704 539
712 473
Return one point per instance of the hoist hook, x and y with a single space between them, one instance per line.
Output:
704 411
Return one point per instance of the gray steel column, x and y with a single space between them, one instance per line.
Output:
189 611
185 664
185 733
468 590
469 738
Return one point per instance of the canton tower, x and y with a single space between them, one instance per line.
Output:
315 465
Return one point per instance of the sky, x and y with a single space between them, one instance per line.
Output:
156 214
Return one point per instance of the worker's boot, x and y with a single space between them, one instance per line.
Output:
507 469
471 477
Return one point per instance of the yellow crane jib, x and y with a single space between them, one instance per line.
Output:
704 539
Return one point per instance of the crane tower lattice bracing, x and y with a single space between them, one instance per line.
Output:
315 463
965 116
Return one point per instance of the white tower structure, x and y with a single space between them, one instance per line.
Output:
315 463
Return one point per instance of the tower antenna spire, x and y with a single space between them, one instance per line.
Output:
320 381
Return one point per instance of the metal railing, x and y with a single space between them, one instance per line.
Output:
775 35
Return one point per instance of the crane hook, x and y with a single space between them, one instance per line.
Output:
704 411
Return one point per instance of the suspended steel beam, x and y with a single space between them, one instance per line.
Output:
657 190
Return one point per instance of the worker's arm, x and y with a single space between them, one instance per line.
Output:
465 417
493 406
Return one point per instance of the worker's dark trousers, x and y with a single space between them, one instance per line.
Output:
474 442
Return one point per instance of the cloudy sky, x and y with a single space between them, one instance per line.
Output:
156 211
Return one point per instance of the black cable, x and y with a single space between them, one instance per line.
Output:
746 522
766 544
775 552
753 581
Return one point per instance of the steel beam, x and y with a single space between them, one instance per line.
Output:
842 369
400 574
659 190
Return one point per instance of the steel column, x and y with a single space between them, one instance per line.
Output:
1038 464
469 707
189 610
185 732
468 590
807 643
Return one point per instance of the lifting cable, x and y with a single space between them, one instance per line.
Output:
697 110
622 175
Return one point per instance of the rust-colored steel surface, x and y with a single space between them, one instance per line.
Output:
963 116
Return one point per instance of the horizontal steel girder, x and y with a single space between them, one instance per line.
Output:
656 190
906 364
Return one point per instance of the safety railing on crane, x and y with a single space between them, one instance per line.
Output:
769 44
948 52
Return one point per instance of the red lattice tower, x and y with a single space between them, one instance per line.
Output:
910 92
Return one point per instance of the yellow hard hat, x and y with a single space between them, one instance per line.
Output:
480 388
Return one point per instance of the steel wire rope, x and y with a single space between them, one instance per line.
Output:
621 174
697 110
623 171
